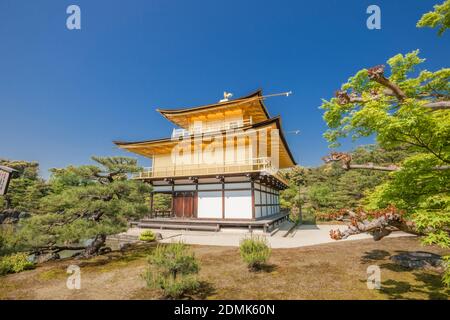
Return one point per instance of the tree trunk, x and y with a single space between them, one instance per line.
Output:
94 247
8 202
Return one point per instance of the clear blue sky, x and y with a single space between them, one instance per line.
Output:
66 95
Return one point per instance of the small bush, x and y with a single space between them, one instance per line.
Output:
172 288
147 236
255 252
15 263
173 269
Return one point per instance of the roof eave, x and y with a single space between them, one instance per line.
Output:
219 104
276 119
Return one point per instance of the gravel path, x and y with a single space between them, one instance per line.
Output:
304 235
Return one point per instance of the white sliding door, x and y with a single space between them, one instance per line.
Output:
238 204
210 204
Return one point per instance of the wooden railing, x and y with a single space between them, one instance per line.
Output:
258 164
252 165
161 214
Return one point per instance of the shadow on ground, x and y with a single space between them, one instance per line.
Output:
374 255
205 290
422 282
427 284
267 267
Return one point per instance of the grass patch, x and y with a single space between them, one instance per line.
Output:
53 274
117 259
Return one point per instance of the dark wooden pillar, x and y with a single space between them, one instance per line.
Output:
173 196
173 202
222 180
252 187
195 212
253 199
223 198
195 197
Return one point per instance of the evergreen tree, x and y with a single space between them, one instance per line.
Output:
87 203
25 188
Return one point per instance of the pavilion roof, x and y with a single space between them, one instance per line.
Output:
251 105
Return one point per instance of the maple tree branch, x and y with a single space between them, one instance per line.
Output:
377 74
438 105
391 89
346 159
392 86
379 223
345 98
371 166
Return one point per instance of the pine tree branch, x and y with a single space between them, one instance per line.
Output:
56 249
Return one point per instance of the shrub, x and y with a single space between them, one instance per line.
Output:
15 263
173 269
172 288
255 252
7 240
147 236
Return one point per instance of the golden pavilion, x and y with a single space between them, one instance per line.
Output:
221 163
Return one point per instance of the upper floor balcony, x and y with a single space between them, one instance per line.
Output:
210 128
259 165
